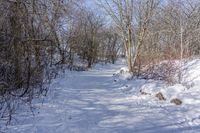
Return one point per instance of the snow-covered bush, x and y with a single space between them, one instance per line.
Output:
166 71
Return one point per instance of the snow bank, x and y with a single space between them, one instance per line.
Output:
187 91
123 73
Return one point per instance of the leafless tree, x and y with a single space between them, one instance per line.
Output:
132 18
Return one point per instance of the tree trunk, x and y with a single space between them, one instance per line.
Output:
16 32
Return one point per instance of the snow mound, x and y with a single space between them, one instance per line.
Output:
191 73
123 73
187 90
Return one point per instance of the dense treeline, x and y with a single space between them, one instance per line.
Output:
26 52
155 30
38 36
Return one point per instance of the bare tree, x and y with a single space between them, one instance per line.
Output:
121 13
132 18
29 39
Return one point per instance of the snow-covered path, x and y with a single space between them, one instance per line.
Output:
91 102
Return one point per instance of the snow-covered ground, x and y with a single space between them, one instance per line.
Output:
96 101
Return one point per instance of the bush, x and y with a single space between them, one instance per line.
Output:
166 71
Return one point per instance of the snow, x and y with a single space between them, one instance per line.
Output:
102 100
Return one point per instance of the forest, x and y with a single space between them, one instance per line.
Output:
40 39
